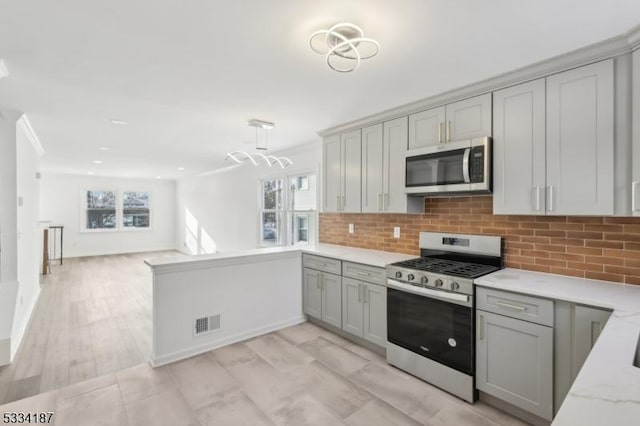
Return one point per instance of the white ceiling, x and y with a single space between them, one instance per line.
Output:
187 75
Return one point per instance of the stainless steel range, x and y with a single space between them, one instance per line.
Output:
430 309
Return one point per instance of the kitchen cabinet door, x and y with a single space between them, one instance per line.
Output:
514 362
312 293
375 314
394 199
352 306
331 299
635 187
587 326
351 166
426 128
519 157
332 174
580 131
469 118
372 167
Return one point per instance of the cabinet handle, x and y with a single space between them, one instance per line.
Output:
440 132
385 201
634 196
551 198
511 306
480 326
379 202
448 131
364 274
318 281
359 292
538 198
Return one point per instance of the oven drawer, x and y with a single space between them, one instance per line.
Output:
515 305
361 272
333 266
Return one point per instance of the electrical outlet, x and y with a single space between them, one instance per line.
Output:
351 228
396 232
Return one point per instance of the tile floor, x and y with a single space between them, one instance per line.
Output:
301 375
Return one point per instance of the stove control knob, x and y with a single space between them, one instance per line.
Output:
438 283
410 277
398 274
454 286
424 280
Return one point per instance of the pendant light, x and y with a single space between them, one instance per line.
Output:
258 158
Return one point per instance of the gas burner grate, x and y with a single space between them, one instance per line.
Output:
449 267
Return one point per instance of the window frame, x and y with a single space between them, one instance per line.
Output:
119 211
288 213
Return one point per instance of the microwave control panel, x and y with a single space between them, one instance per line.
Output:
476 164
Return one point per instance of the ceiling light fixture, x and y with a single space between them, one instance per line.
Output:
343 44
104 148
180 169
90 173
4 71
119 122
257 158
97 161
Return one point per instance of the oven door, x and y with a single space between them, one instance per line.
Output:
432 323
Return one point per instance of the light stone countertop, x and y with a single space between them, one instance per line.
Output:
607 389
350 254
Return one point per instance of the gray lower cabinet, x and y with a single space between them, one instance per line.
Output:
322 296
514 360
576 332
364 310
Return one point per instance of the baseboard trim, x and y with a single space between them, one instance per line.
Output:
17 341
158 361
114 252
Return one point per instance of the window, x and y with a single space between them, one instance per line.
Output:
288 217
135 210
114 210
101 210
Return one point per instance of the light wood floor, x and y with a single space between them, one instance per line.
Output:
301 375
93 317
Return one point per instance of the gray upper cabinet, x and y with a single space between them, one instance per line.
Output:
311 293
635 186
331 286
427 128
515 362
383 163
465 119
580 141
332 174
372 165
554 144
469 118
341 171
519 158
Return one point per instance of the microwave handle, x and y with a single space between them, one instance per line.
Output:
465 165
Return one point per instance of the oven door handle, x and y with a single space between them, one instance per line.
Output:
459 299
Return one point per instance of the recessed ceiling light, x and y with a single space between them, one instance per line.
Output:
119 122
97 161
181 169
4 72
104 148
158 177
90 173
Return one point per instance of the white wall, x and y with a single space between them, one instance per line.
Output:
28 246
61 201
220 211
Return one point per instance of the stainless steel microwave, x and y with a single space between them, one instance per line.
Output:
462 167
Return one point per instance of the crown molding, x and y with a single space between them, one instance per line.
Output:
606 49
26 127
